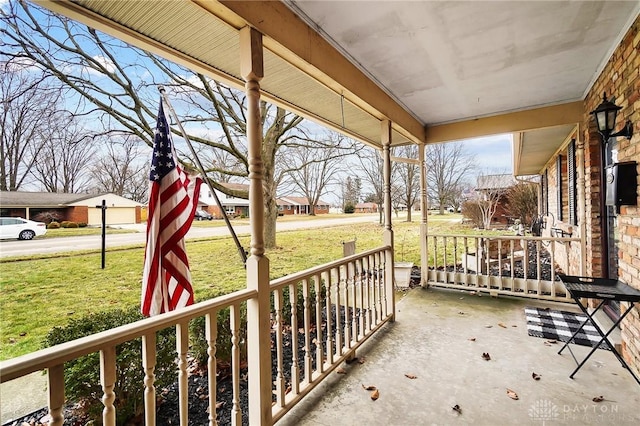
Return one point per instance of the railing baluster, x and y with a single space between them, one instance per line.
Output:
182 346
308 365
435 256
455 255
149 365
552 269
338 323
56 394
383 287
525 266
347 323
280 384
295 369
328 306
236 410
361 309
374 283
539 267
211 335
354 304
499 264
367 288
512 253
108 380
319 343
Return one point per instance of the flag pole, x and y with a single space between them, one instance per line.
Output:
241 250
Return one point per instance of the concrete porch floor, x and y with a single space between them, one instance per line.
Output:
431 340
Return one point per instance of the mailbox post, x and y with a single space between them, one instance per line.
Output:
104 229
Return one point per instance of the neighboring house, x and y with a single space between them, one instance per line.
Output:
234 206
495 187
80 208
300 205
366 208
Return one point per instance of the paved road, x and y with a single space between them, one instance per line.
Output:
92 242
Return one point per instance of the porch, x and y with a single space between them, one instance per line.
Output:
431 340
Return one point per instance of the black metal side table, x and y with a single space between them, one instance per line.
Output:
602 289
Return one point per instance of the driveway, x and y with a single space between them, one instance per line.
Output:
93 242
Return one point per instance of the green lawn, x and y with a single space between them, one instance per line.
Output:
40 293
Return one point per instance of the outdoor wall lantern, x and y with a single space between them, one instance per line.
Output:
606 120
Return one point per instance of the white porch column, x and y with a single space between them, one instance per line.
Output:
258 333
388 231
424 233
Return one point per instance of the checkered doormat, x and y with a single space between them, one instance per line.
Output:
560 325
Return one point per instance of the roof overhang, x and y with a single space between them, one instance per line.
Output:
533 149
465 69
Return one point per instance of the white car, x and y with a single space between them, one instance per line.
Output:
22 229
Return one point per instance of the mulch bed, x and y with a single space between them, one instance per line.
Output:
167 408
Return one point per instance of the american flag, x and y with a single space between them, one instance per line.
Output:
166 281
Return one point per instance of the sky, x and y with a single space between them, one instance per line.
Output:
493 153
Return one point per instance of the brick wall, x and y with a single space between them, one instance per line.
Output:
620 79
78 214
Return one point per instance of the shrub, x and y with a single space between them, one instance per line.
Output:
349 208
82 224
48 216
64 224
82 376
72 225
471 210
53 225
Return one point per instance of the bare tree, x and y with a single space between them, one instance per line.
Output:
371 169
312 171
448 165
28 104
119 82
490 191
63 160
408 177
119 169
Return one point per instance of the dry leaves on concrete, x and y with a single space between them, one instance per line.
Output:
535 376
512 394
598 399
410 376
486 356
375 394
457 409
502 325
341 371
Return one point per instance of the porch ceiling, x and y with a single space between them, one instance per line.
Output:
438 70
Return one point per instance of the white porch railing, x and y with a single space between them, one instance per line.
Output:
514 265
320 316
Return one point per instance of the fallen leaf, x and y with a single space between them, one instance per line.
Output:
488 326
351 360
457 408
553 342
512 394
502 325
375 394
535 376
486 356
472 339
361 360
514 325
411 376
461 313
219 404
341 371
598 398
369 388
